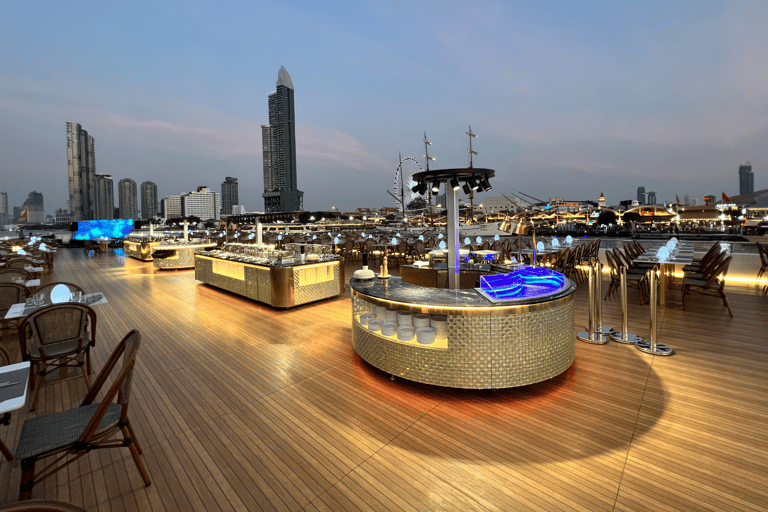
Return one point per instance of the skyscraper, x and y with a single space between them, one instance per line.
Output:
105 198
4 209
170 206
746 179
148 200
229 195
641 195
126 191
81 164
279 145
34 207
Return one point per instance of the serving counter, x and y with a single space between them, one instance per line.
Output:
279 285
486 345
141 250
177 255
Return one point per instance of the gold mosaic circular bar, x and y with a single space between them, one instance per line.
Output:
488 346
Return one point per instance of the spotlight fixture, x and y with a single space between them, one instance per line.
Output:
422 188
485 184
466 189
415 188
455 183
435 186
472 183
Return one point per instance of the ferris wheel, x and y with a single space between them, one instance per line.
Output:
404 174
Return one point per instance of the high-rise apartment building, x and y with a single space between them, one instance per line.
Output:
81 165
127 200
229 195
651 197
148 200
202 204
278 140
170 207
641 195
746 179
62 216
34 207
105 198
4 219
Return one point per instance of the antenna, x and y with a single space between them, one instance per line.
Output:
471 136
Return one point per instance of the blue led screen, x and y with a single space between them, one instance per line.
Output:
93 229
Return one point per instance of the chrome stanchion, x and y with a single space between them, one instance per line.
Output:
624 336
599 327
653 347
591 335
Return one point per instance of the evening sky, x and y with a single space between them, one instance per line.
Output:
569 99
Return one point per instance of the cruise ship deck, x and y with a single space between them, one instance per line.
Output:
239 406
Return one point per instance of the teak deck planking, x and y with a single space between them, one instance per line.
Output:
239 406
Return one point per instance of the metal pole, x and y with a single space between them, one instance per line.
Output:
653 347
590 336
624 336
599 328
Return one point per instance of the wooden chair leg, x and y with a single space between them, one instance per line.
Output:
136 455
133 436
5 451
27 478
36 388
725 301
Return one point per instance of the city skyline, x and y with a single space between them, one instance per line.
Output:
568 99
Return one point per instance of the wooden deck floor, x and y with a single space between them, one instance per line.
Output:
242 407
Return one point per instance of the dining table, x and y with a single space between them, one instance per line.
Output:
23 309
14 382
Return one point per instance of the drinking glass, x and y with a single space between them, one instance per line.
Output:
39 298
77 296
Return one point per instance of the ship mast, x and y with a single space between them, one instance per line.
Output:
471 191
428 158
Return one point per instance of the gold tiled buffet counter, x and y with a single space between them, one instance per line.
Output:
488 346
281 286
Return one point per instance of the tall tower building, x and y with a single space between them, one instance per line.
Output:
279 145
746 179
148 200
4 219
651 197
105 198
170 207
34 207
81 165
641 195
126 192
229 195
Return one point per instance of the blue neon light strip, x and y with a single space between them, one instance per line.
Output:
527 281
94 229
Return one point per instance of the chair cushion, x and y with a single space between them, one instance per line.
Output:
59 348
46 433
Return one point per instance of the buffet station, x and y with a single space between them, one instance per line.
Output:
301 274
141 246
514 329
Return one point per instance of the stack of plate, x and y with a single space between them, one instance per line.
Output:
425 335
405 333
389 328
421 320
381 312
391 315
404 318
440 325
365 318
374 324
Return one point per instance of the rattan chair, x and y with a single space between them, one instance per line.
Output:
762 250
712 283
70 434
7 275
10 294
41 506
54 337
